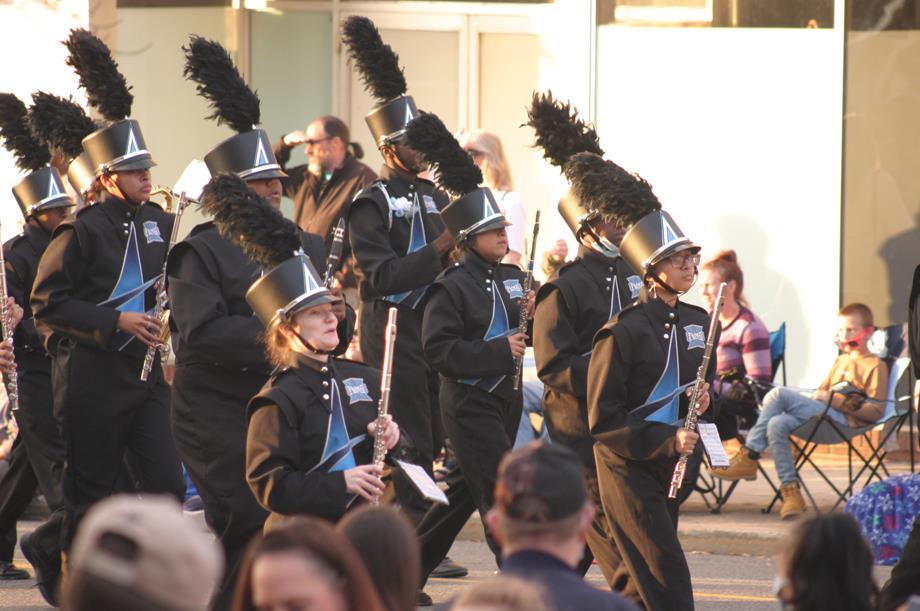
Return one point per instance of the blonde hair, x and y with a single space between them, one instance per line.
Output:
495 169
506 593
278 347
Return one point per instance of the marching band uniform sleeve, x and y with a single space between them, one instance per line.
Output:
273 454
561 365
451 350
388 272
56 310
608 413
18 286
206 320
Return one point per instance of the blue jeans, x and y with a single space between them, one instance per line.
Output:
533 403
785 410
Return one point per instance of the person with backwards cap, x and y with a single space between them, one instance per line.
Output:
642 365
92 300
542 517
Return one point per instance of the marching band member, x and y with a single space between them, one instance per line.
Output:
470 334
38 455
642 361
398 239
587 293
220 360
311 427
94 285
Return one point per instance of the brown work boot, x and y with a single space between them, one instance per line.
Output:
793 501
742 466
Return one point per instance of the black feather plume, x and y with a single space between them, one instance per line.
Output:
454 168
210 66
17 137
105 86
60 123
376 61
246 219
603 186
560 133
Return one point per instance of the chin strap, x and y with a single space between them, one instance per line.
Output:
310 347
656 278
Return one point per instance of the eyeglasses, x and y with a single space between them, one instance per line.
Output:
681 259
317 141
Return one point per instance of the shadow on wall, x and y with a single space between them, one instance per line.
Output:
773 297
901 254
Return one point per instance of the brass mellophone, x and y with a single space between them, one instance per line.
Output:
693 414
528 284
160 312
383 406
12 378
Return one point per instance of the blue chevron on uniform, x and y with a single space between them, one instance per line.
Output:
498 327
337 452
663 402
417 241
128 293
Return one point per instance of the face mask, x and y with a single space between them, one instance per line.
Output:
605 247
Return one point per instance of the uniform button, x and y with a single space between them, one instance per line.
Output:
325 383
670 314
126 232
667 325
325 397
666 336
489 289
324 369
490 272
609 269
456 264
125 224
608 289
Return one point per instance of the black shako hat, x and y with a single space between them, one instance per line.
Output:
248 153
474 209
378 66
561 134
119 146
540 483
41 189
290 283
604 187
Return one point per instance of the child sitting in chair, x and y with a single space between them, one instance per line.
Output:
855 388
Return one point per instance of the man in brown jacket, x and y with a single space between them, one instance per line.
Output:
324 187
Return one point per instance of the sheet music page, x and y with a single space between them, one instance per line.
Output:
423 483
709 435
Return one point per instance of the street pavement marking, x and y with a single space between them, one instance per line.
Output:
715 596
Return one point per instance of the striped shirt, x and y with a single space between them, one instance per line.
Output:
745 345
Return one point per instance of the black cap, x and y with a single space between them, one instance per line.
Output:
653 238
575 215
473 213
41 190
290 287
540 483
118 147
81 174
388 121
248 155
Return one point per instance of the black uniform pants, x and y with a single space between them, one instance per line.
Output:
410 401
481 427
39 462
108 415
209 422
644 525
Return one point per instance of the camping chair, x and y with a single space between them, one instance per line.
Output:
822 430
716 492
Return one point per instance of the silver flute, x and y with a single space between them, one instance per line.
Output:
11 377
386 378
693 412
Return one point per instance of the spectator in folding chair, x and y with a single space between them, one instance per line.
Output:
865 377
744 345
